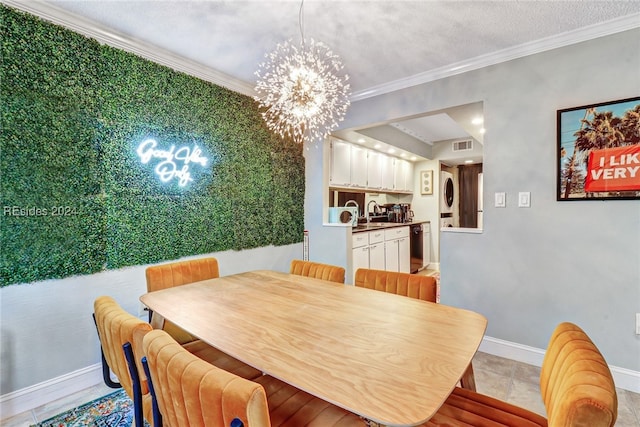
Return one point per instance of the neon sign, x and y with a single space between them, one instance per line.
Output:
175 164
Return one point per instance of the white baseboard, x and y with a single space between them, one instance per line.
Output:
56 388
625 379
513 351
48 391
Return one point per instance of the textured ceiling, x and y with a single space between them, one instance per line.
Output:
379 41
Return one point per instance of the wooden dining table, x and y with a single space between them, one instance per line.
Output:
391 359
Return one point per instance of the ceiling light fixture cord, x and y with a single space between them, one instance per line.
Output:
301 21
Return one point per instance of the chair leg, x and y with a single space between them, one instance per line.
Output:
106 371
157 416
468 380
138 413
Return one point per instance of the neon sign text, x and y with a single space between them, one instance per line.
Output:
175 164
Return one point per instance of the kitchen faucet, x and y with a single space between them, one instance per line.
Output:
354 203
376 208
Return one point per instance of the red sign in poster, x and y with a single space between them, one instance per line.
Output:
614 169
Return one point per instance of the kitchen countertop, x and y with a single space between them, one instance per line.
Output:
382 225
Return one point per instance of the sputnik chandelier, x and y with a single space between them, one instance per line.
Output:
302 90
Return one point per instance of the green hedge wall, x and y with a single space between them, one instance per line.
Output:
76 197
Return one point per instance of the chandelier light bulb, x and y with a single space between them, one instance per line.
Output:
302 90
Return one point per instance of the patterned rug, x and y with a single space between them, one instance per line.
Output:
112 410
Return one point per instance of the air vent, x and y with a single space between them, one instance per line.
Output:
463 145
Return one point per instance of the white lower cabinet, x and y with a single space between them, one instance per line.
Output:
368 251
360 259
392 262
397 249
385 249
376 250
360 252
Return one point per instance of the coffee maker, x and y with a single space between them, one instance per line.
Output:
398 212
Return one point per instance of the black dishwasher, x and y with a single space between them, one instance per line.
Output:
415 239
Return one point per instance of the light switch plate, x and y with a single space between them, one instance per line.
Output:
524 199
500 200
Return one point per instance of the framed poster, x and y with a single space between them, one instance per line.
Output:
599 151
426 182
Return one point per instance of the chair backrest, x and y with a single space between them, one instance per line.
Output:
575 382
116 328
317 270
180 273
409 285
118 332
193 393
177 274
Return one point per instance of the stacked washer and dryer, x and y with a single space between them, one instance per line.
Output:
447 195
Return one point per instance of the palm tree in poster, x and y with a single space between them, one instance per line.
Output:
631 126
603 131
571 172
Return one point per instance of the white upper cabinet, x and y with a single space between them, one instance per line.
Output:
358 166
403 175
374 169
388 172
409 182
354 166
340 169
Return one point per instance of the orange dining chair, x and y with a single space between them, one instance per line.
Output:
121 335
116 329
317 270
409 285
575 383
190 392
176 274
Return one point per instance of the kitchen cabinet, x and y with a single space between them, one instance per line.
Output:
368 251
359 173
354 166
360 259
388 172
340 164
397 249
374 169
403 175
376 250
409 181
360 252
404 255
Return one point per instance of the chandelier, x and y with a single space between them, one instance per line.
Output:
302 90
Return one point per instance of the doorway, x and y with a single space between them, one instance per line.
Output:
469 183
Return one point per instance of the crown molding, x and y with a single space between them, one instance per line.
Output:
112 38
565 39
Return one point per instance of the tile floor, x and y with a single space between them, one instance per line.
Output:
502 378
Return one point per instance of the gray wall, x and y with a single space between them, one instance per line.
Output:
556 261
46 329
326 243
